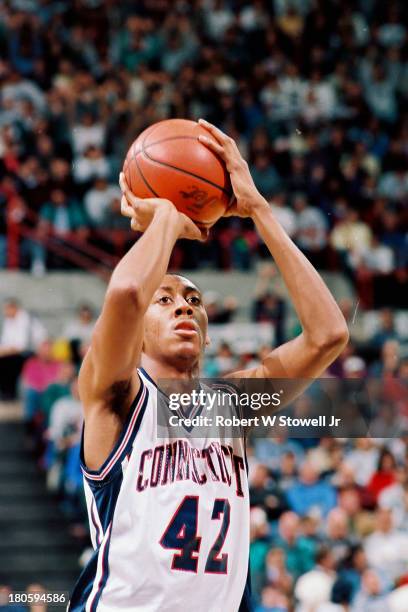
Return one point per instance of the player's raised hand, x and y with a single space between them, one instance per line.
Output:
141 211
247 197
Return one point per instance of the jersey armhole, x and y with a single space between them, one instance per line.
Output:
112 465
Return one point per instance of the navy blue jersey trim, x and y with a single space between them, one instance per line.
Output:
148 377
105 574
84 585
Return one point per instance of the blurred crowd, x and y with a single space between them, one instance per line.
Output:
314 92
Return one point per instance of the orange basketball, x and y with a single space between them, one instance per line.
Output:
168 161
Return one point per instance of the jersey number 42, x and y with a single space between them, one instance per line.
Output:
181 534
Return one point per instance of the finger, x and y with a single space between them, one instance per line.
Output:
125 209
216 132
193 230
123 183
133 200
135 226
214 146
205 232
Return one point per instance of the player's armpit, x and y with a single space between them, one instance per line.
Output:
105 412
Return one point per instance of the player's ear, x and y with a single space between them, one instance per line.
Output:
207 340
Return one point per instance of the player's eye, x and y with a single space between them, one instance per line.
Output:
164 299
194 299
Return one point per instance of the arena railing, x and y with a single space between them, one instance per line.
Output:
68 247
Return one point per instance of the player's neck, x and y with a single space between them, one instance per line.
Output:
160 369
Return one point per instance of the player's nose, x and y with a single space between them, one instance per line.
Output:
183 308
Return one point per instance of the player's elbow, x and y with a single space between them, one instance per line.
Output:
334 339
125 295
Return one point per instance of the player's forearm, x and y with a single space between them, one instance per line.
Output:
321 319
141 270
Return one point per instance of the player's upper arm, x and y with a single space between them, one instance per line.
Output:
293 365
115 346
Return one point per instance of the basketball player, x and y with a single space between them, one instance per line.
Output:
169 519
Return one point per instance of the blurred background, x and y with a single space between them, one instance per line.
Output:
315 93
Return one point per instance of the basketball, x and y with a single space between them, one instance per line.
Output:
168 161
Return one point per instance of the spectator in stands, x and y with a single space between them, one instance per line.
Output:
100 203
363 459
311 231
259 546
223 362
60 217
79 330
388 364
309 494
394 497
372 595
63 433
39 371
314 587
61 387
265 493
90 165
271 450
299 551
220 311
386 331
276 572
351 237
387 548
337 536
384 476
272 600
269 308
353 567
87 133
286 474
21 333
341 597
265 175
284 214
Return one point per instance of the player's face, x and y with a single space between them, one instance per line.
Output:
175 325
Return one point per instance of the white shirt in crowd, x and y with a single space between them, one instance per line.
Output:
388 552
76 330
86 169
313 589
84 136
66 413
363 463
98 202
286 217
311 228
22 332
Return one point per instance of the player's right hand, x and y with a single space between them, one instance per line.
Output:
141 211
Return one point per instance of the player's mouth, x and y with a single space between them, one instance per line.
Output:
186 328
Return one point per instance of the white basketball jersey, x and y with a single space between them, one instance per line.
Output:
169 521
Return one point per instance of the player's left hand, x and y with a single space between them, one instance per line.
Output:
247 197
141 211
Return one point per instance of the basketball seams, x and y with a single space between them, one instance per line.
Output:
156 142
183 171
134 157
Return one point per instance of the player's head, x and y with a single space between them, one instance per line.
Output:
175 324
